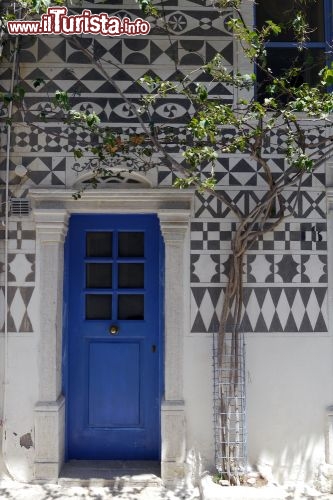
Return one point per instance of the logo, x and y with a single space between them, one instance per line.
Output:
56 22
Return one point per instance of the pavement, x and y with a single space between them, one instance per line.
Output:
13 490
21 491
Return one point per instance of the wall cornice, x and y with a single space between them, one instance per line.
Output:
117 200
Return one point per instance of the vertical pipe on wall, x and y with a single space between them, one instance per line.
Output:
9 133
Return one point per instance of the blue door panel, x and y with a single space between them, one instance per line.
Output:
113 381
114 389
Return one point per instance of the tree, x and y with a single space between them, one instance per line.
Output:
267 102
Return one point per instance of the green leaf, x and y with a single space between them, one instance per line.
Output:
61 99
275 28
78 153
147 7
327 76
20 92
92 120
202 92
7 97
38 82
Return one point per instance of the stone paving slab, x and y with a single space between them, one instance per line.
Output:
13 490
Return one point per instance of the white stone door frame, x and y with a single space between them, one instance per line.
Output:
52 209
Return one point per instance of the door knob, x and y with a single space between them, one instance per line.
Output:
114 330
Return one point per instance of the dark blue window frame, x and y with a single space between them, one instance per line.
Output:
323 45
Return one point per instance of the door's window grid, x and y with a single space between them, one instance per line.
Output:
115 269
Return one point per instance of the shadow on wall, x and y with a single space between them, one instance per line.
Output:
285 436
298 461
289 387
194 468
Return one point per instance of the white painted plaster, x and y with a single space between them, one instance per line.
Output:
198 394
289 387
21 394
2 387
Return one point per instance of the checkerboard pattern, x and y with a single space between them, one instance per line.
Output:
297 236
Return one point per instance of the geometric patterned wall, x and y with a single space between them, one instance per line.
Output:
21 278
285 273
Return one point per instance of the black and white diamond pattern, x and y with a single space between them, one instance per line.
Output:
266 310
22 304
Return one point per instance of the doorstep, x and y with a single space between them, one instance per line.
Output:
112 473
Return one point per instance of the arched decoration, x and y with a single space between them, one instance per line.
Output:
118 178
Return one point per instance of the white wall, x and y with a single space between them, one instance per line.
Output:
2 364
198 393
21 394
289 387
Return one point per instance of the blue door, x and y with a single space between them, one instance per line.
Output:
113 353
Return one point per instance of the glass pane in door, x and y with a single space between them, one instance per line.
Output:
98 275
99 244
131 307
131 275
98 306
131 244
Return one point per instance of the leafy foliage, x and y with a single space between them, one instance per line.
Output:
281 103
